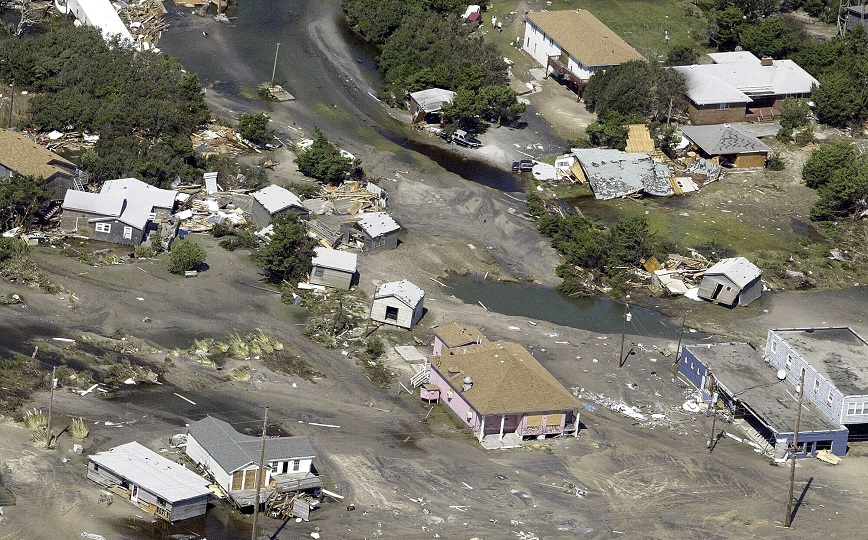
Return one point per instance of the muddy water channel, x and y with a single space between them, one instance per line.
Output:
326 67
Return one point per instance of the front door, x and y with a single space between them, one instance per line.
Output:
134 494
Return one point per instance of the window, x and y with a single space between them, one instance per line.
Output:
318 271
857 408
391 313
296 464
789 361
829 398
161 501
851 409
817 386
128 233
103 227
774 346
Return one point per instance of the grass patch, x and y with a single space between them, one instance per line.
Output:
291 364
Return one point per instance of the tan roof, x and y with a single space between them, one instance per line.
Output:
639 139
507 379
28 158
456 334
584 37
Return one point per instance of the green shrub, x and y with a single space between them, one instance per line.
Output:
775 163
185 255
12 247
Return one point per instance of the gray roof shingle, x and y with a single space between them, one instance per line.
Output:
233 450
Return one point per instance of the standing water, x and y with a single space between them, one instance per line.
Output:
543 303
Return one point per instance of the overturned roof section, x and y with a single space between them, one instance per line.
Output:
735 77
377 224
151 471
455 334
277 199
839 354
334 259
584 37
432 100
743 373
738 269
507 379
724 139
613 173
28 158
233 451
403 290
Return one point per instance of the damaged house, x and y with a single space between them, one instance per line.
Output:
272 201
232 459
23 156
732 144
613 173
155 484
333 268
377 231
731 282
400 303
125 211
428 102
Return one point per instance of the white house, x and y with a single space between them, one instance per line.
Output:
103 15
731 282
333 268
232 459
155 484
399 303
573 45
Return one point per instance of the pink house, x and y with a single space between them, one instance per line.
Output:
503 394
450 336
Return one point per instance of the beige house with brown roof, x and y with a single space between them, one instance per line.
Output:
503 394
22 156
573 45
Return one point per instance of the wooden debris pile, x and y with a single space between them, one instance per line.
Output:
354 197
676 275
216 139
144 18
291 505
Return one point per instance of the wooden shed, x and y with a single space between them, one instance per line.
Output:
399 303
157 485
333 268
731 282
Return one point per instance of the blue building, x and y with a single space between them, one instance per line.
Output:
751 390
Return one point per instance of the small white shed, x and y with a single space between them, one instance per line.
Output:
333 268
399 303
732 282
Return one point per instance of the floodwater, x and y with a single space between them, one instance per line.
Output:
234 58
543 303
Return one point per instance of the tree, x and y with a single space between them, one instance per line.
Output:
775 37
289 253
838 102
682 56
254 128
826 160
20 197
725 28
323 161
636 88
501 104
630 241
610 130
185 255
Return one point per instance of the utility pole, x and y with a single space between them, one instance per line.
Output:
627 316
258 483
789 520
274 69
713 409
50 404
668 116
11 100
680 336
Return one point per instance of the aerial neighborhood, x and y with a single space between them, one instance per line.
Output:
412 269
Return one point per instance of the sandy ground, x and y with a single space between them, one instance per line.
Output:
642 479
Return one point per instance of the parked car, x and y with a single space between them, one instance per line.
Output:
463 138
525 165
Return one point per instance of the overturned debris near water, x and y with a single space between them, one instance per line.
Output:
613 173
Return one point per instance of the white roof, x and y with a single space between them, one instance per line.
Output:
402 290
724 139
740 270
275 198
734 57
432 100
135 188
95 203
377 224
334 259
152 472
102 14
735 82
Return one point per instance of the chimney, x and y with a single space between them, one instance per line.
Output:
767 61
468 383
